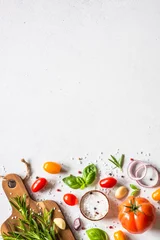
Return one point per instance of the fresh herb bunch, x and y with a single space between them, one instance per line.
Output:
32 226
117 163
89 175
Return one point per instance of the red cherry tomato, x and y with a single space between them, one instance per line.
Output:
108 182
70 199
39 184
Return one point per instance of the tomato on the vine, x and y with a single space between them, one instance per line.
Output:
108 182
39 184
136 214
70 199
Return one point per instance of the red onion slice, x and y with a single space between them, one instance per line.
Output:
77 224
151 177
132 169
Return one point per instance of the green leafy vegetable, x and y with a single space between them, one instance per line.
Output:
118 163
74 182
97 234
89 175
135 191
31 226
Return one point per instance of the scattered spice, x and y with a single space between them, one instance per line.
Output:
58 190
79 172
111 227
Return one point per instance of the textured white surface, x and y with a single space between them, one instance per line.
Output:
77 78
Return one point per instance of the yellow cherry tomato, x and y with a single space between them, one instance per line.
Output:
119 235
52 167
156 195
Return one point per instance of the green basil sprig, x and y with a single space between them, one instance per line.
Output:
135 191
74 182
89 175
97 234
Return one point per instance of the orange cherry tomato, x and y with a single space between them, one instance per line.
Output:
70 199
136 214
119 235
52 167
156 195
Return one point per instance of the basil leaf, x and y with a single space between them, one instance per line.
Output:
81 181
135 193
72 182
89 173
96 234
133 187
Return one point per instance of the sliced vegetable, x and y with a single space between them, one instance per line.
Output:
70 199
77 223
136 214
119 235
108 182
151 177
97 234
121 192
52 167
145 174
132 167
38 184
156 195
117 163
89 175
60 223
135 191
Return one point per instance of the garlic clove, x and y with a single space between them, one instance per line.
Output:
60 223
121 192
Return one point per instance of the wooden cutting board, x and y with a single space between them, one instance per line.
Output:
13 186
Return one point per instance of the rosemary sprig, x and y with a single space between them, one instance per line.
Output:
32 226
117 163
135 191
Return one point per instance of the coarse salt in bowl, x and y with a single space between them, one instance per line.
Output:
94 205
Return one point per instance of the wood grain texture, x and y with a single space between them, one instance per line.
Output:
20 190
